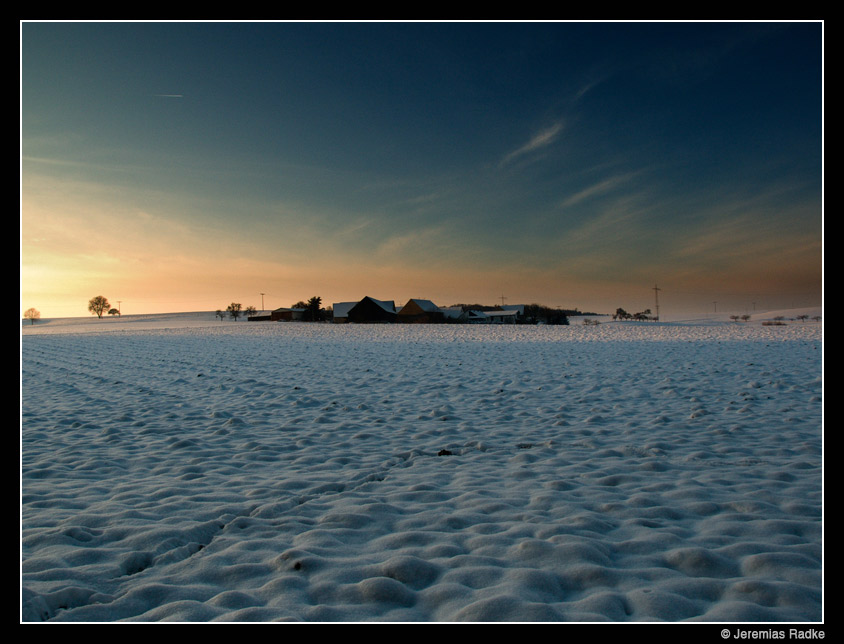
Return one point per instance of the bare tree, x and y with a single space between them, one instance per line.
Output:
32 315
98 305
234 309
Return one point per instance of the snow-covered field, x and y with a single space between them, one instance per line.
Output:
185 468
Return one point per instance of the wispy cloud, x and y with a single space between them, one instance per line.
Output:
597 80
600 188
538 141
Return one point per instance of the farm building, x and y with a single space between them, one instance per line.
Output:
503 317
512 316
371 310
367 310
476 317
455 314
287 315
420 311
341 310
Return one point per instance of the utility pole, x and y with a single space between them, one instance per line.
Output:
262 302
656 298
502 301
118 308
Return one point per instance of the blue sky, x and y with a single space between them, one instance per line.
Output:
184 166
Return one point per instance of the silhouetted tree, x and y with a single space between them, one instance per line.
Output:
313 308
541 314
113 312
234 309
219 314
98 305
250 310
32 315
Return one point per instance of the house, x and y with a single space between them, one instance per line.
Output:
476 317
455 314
340 311
367 310
510 316
420 312
287 315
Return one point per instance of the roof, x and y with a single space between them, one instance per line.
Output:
453 312
492 315
426 305
387 305
341 309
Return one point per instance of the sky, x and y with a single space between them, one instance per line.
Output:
175 166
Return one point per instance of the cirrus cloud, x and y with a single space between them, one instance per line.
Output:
538 141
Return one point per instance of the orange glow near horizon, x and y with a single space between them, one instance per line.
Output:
75 247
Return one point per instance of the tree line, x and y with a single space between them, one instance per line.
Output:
313 311
97 305
621 314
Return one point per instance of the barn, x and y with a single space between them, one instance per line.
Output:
371 310
455 314
420 312
510 316
341 310
287 315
